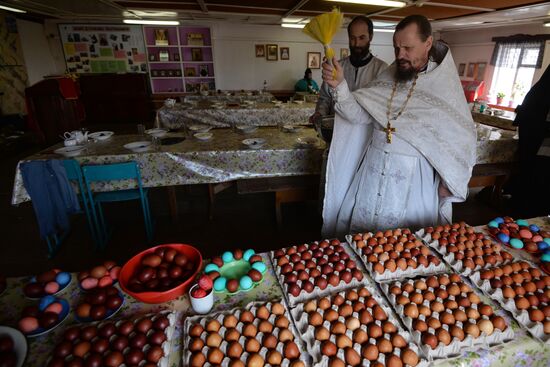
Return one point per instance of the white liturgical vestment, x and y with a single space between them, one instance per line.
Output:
374 185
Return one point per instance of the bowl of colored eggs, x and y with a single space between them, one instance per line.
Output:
43 318
236 271
51 282
13 347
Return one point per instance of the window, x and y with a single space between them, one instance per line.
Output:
515 64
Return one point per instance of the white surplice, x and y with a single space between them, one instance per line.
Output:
374 185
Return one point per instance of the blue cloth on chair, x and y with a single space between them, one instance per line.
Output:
52 195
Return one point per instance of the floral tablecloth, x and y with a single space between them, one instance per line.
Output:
221 159
523 350
260 114
231 97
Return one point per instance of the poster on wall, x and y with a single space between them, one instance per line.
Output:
103 48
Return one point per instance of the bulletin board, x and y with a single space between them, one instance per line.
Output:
103 48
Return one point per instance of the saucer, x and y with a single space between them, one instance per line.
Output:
138 146
246 129
158 132
101 135
203 136
307 141
254 143
71 151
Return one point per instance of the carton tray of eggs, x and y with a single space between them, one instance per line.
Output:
394 254
354 327
144 341
258 334
313 270
445 316
523 290
464 249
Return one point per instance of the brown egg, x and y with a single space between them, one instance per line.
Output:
472 313
230 321
429 339
419 325
328 348
262 313
437 306
198 360
409 357
370 352
255 360
274 358
433 323
394 361
522 303
352 357
416 298
277 308
411 310
250 330
352 323
337 328
536 315
214 340
285 335
291 350
324 303
269 341
343 341
330 315
485 309
485 326
252 345
265 326
384 345
213 326
345 310
450 304
196 345
428 295
447 318
498 322
234 350
336 362
443 336
315 319
508 292
360 336
457 332
471 329
281 321
403 300
460 315
374 331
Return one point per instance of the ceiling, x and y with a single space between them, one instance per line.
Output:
444 14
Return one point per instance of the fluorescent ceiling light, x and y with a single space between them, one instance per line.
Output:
390 3
12 9
292 25
384 30
294 20
547 24
151 22
383 24
149 13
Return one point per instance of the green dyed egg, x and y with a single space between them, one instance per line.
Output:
516 243
260 266
248 254
219 284
245 282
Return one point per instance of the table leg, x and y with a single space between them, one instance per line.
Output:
172 203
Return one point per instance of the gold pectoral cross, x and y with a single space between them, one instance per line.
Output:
389 130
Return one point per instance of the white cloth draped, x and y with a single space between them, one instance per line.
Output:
395 185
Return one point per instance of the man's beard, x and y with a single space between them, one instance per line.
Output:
358 53
404 74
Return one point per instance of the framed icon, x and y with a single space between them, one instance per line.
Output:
285 53
344 52
152 57
471 70
272 52
176 56
314 60
190 71
260 50
196 54
480 75
461 69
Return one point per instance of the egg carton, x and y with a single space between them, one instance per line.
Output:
536 329
252 307
169 331
318 292
449 257
398 273
307 331
456 347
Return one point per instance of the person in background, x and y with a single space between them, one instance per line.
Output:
531 195
360 67
307 84
403 148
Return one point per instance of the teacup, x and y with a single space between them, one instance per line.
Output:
70 142
202 305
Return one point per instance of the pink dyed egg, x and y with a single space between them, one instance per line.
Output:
55 307
114 272
56 270
105 281
89 283
537 238
51 287
28 324
525 233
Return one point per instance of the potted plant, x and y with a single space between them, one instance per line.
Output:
500 97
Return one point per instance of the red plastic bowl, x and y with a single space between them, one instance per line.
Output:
159 297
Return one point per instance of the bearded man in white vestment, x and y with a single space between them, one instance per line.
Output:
403 148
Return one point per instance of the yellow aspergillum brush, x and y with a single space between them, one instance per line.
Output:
323 28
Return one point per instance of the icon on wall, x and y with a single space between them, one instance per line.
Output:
314 60
272 52
260 50
285 53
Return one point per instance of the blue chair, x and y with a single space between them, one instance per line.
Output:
115 172
74 173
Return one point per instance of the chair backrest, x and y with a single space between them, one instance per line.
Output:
74 173
112 172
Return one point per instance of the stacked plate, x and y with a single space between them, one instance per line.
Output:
101 135
307 141
72 151
254 143
138 146
246 129
203 136
199 128
158 132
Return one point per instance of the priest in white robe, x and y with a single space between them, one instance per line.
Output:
403 148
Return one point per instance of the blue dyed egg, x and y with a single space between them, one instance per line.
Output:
503 237
546 257
516 243
211 267
219 284
248 254
45 302
493 224
547 240
522 222
245 282
499 220
227 257
63 279
260 266
543 245
534 228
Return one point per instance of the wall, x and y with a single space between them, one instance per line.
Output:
477 46
36 50
13 74
236 66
